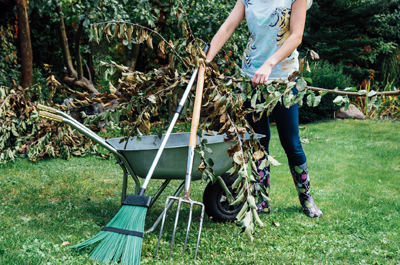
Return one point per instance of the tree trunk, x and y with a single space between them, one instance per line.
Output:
132 55
25 44
90 64
72 77
65 46
78 51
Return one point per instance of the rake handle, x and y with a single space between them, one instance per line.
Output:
197 105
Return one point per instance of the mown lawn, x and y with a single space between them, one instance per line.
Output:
355 171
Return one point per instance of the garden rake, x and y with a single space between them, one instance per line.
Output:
188 178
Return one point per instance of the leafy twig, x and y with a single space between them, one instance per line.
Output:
145 28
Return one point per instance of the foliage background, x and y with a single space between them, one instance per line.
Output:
361 35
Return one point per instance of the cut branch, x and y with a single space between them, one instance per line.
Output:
330 91
338 92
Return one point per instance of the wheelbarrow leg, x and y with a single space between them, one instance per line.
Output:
124 187
177 192
159 191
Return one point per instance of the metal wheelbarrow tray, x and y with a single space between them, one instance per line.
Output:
136 157
172 164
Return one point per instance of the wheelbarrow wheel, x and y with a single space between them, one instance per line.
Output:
216 204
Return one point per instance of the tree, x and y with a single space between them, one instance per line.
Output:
25 44
362 35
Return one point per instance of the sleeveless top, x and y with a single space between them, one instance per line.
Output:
268 22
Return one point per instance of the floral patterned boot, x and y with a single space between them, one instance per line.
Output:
263 206
302 183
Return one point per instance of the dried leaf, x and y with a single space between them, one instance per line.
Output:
116 30
149 41
273 161
161 47
233 149
301 64
108 30
314 55
187 62
258 155
275 223
241 131
129 34
237 157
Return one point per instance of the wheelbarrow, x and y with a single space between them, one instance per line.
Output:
135 156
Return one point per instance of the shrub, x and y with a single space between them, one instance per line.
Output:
324 75
362 35
9 67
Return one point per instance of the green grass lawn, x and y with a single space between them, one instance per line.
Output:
355 180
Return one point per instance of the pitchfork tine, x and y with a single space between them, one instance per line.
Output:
175 225
201 224
162 225
188 227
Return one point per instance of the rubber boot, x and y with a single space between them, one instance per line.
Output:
302 183
263 206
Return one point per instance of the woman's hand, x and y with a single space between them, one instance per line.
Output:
262 74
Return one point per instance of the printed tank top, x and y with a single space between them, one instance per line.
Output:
268 22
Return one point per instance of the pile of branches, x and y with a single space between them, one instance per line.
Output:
23 134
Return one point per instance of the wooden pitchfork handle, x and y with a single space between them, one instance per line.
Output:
193 129
197 104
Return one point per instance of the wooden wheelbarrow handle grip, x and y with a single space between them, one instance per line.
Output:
197 104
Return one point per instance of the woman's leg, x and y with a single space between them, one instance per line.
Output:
287 122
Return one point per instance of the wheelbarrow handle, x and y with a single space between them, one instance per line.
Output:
46 108
81 129
50 116
65 118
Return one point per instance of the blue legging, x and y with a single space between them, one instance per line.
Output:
287 122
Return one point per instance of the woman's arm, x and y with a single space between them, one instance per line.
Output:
297 21
226 30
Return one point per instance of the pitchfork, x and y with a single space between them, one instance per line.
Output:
192 145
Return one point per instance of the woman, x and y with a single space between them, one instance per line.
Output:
276 28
